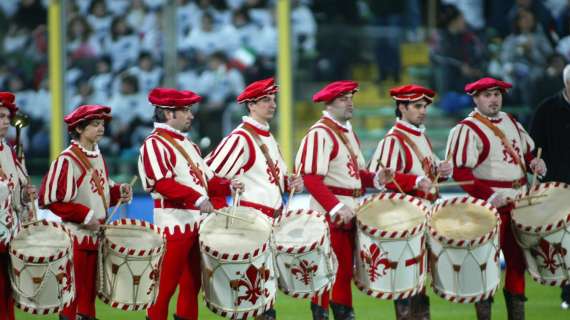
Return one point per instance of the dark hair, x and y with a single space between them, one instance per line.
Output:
160 114
447 14
81 125
397 111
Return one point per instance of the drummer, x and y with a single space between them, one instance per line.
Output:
181 184
407 149
15 193
251 154
491 148
333 172
77 188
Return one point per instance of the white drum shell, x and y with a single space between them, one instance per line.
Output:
41 268
130 256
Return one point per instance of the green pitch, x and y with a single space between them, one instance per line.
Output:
543 303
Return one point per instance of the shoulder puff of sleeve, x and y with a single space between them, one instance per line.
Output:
317 148
157 158
232 154
467 145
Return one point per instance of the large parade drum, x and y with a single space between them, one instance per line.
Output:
390 246
541 221
238 271
41 268
464 249
130 255
306 263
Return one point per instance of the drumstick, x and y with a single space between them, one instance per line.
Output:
292 191
433 188
454 183
235 203
393 178
534 174
132 183
232 216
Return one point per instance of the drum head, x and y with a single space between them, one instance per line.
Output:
40 240
553 206
466 221
393 215
240 237
299 230
134 238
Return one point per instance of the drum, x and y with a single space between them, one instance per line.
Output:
390 246
42 268
238 271
130 254
464 249
542 228
306 263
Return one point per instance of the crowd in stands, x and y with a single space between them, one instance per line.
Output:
115 51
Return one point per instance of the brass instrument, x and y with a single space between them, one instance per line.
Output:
19 121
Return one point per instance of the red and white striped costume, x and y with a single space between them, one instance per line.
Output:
479 155
177 191
240 151
395 153
334 180
69 190
12 180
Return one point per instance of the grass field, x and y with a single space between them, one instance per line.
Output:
543 303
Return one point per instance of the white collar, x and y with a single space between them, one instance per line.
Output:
89 153
346 126
159 125
410 126
255 123
498 117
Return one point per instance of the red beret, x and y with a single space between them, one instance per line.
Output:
172 98
334 90
412 92
87 112
486 84
7 101
257 90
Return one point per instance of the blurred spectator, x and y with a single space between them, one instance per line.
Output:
140 19
185 16
472 10
129 109
524 54
118 7
102 80
304 27
188 78
30 15
81 44
147 73
336 12
458 57
258 11
246 29
84 95
219 87
542 16
216 8
99 19
549 83
122 45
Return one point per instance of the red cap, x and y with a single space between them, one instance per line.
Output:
334 90
486 84
7 101
87 112
412 92
258 90
172 98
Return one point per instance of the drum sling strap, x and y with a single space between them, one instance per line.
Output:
334 127
426 161
186 156
87 165
265 152
497 132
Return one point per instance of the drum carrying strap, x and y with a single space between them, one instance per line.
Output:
497 132
426 161
186 156
85 162
334 127
265 151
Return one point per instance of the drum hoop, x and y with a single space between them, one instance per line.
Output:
549 228
54 257
235 314
140 225
386 295
401 197
461 242
553 283
121 305
457 299
297 249
41 311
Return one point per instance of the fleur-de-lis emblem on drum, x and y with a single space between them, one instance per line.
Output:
548 252
153 275
252 281
304 271
376 260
